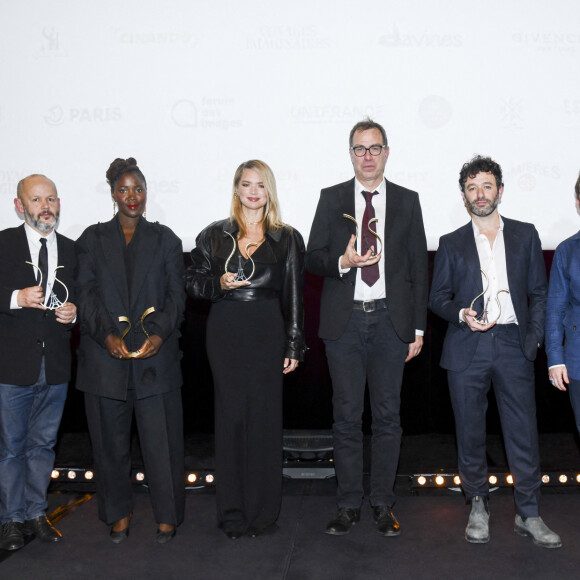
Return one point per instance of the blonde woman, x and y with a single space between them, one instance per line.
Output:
251 267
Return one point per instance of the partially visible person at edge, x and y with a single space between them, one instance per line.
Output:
37 266
249 265
489 283
563 318
131 273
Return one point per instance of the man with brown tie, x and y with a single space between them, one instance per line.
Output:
372 319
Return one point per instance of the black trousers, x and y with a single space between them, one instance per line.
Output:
245 345
368 351
159 421
498 361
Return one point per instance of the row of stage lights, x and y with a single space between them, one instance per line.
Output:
452 480
138 477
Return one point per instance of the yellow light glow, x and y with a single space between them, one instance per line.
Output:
563 478
457 480
545 479
89 475
421 480
55 473
510 479
209 478
439 480
192 478
492 479
140 476
578 478
71 474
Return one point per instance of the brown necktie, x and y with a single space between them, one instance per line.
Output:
369 274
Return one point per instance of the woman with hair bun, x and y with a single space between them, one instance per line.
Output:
251 267
130 302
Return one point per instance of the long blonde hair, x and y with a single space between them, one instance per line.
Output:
271 217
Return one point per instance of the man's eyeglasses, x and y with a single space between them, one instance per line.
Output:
361 151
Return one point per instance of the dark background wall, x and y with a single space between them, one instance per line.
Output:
425 405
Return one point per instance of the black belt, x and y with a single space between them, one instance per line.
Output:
249 294
370 305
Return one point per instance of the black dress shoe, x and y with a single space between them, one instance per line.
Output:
163 537
118 537
344 519
387 523
12 536
43 530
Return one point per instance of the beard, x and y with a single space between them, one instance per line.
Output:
483 211
42 226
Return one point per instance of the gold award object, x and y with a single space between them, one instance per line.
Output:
374 232
125 319
240 274
482 319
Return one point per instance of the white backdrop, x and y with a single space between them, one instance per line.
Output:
193 88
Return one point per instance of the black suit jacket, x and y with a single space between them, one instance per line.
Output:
404 247
103 295
457 281
24 331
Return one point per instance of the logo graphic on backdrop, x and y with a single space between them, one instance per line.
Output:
424 39
527 175
50 44
210 113
287 37
435 111
561 42
512 113
59 115
9 179
325 113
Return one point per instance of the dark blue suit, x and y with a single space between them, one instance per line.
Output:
503 356
563 316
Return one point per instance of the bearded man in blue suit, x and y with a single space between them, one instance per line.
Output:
489 283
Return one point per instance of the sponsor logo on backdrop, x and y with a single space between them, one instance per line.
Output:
419 39
281 37
50 43
59 115
562 42
325 114
526 175
9 179
512 113
435 111
208 113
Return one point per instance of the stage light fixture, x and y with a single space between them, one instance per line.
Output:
457 480
72 474
140 476
545 478
89 475
421 480
439 480
492 479
209 478
192 478
563 478
578 478
509 479
56 473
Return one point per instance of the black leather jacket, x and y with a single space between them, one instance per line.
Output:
279 263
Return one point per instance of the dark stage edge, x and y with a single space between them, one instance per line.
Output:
431 544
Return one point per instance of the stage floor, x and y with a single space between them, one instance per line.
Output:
431 544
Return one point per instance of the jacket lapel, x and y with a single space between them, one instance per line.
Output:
148 246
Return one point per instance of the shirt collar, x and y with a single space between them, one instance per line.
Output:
34 236
381 189
476 229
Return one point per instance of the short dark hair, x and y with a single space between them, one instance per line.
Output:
577 187
480 164
120 167
365 125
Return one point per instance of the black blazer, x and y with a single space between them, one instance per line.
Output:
279 265
23 331
103 295
404 247
457 281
